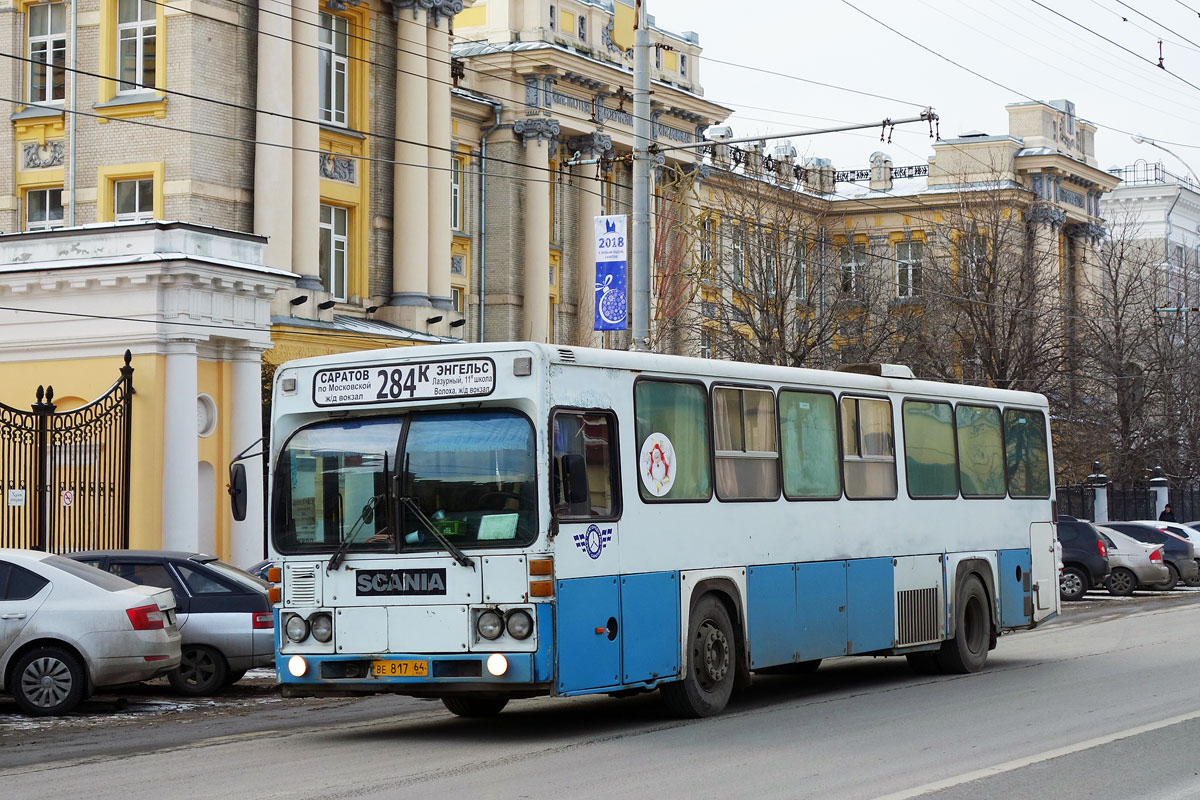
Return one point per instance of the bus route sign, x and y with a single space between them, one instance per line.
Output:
398 383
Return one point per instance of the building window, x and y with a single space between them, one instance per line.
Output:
737 256
708 239
133 201
974 255
683 64
582 28
456 299
43 209
456 210
854 265
334 52
47 52
333 250
657 57
908 268
136 45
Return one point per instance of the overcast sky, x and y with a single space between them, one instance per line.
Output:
1017 43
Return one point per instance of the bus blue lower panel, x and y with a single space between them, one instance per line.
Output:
870 589
772 619
649 627
587 634
821 610
1014 587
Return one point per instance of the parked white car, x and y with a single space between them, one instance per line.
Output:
1185 532
1132 563
67 629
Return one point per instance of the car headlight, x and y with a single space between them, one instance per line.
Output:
490 624
519 624
321 626
296 628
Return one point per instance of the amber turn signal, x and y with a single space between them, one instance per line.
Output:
541 588
274 575
275 595
541 566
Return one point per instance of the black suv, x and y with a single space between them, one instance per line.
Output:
1085 558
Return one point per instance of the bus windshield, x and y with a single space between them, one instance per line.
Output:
472 474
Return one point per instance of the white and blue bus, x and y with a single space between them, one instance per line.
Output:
478 523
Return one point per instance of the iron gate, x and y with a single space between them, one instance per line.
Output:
65 474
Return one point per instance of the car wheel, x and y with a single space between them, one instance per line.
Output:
1195 581
1172 579
48 681
474 707
201 671
1072 584
1121 582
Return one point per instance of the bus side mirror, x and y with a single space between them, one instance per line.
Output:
575 479
237 491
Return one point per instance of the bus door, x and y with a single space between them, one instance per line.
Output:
585 501
1042 537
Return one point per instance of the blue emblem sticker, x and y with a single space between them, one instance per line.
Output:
592 540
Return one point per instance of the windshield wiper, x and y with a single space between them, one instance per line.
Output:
365 516
415 509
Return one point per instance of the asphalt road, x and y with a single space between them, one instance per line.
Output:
1105 700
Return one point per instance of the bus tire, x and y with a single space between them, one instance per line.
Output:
474 706
967 651
711 665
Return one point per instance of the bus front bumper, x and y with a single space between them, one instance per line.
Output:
413 674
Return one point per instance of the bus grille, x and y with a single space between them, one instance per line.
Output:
302 588
917 616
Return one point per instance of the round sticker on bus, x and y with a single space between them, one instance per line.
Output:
656 464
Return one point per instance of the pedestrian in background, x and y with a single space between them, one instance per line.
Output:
1167 514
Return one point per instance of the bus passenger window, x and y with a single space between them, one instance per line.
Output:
929 450
980 451
584 484
808 439
744 429
868 458
1026 453
672 439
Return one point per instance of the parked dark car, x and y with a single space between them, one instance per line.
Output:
1084 557
1178 553
224 615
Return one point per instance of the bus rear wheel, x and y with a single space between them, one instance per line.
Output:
712 663
967 651
474 706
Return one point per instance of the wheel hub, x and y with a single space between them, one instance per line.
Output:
716 653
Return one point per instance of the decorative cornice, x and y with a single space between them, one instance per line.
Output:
1085 230
1045 214
590 144
537 128
434 9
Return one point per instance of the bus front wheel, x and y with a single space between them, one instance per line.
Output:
712 663
968 650
474 706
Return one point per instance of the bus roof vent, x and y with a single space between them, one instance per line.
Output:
879 370
566 355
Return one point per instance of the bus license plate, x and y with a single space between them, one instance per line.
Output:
400 669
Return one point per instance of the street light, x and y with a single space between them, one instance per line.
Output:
1144 140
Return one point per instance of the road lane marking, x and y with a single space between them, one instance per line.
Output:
1019 763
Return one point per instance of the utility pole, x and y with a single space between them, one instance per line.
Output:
642 177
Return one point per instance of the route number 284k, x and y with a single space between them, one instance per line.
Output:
400 382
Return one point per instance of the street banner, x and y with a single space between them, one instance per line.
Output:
611 266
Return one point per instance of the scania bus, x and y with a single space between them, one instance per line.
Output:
483 522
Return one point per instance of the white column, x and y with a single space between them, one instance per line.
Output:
539 135
247 538
438 43
306 177
181 449
273 134
410 220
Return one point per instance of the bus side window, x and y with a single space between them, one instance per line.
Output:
808 439
929 449
746 452
868 458
1026 453
584 485
980 451
672 437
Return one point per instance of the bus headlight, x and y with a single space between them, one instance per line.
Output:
297 666
490 624
519 624
321 626
296 628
